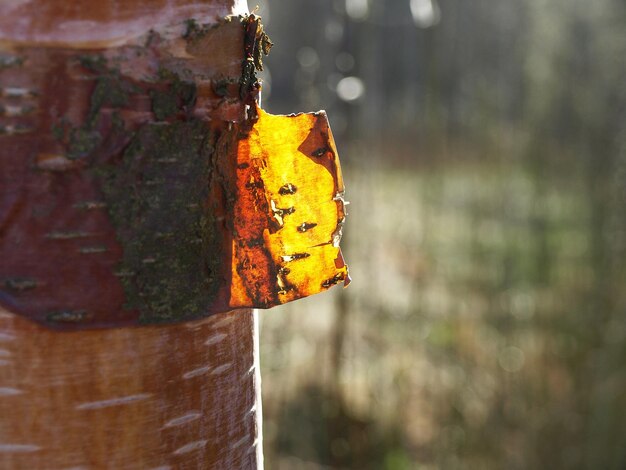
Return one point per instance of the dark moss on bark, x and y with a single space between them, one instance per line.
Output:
195 30
82 141
110 91
156 192
256 44
178 96
156 198
160 181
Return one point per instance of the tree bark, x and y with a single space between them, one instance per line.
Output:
177 396
182 395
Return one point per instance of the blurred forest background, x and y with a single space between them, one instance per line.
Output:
484 152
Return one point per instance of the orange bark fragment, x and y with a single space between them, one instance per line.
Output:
289 211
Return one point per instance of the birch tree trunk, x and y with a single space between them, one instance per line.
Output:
76 79
177 396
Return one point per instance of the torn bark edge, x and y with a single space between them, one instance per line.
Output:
266 237
256 44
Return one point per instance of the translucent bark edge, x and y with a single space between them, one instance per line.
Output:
289 211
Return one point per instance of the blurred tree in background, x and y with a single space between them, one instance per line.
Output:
484 150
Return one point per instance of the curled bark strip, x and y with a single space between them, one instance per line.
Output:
276 155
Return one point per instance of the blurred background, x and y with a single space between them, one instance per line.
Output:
484 152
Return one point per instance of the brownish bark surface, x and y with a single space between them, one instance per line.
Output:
79 82
168 397
105 24
105 209
140 184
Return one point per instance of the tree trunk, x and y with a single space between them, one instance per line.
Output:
79 82
177 396
141 187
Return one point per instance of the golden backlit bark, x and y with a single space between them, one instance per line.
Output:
290 210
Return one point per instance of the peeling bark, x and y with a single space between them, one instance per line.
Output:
82 111
148 193
140 183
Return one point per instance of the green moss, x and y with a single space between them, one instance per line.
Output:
164 104
179 96
117 123
110 91
256 44
58 130
93 62
196 31
192 28
171 244
82 142
220 87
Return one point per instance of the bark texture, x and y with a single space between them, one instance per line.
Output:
109 112
179 396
